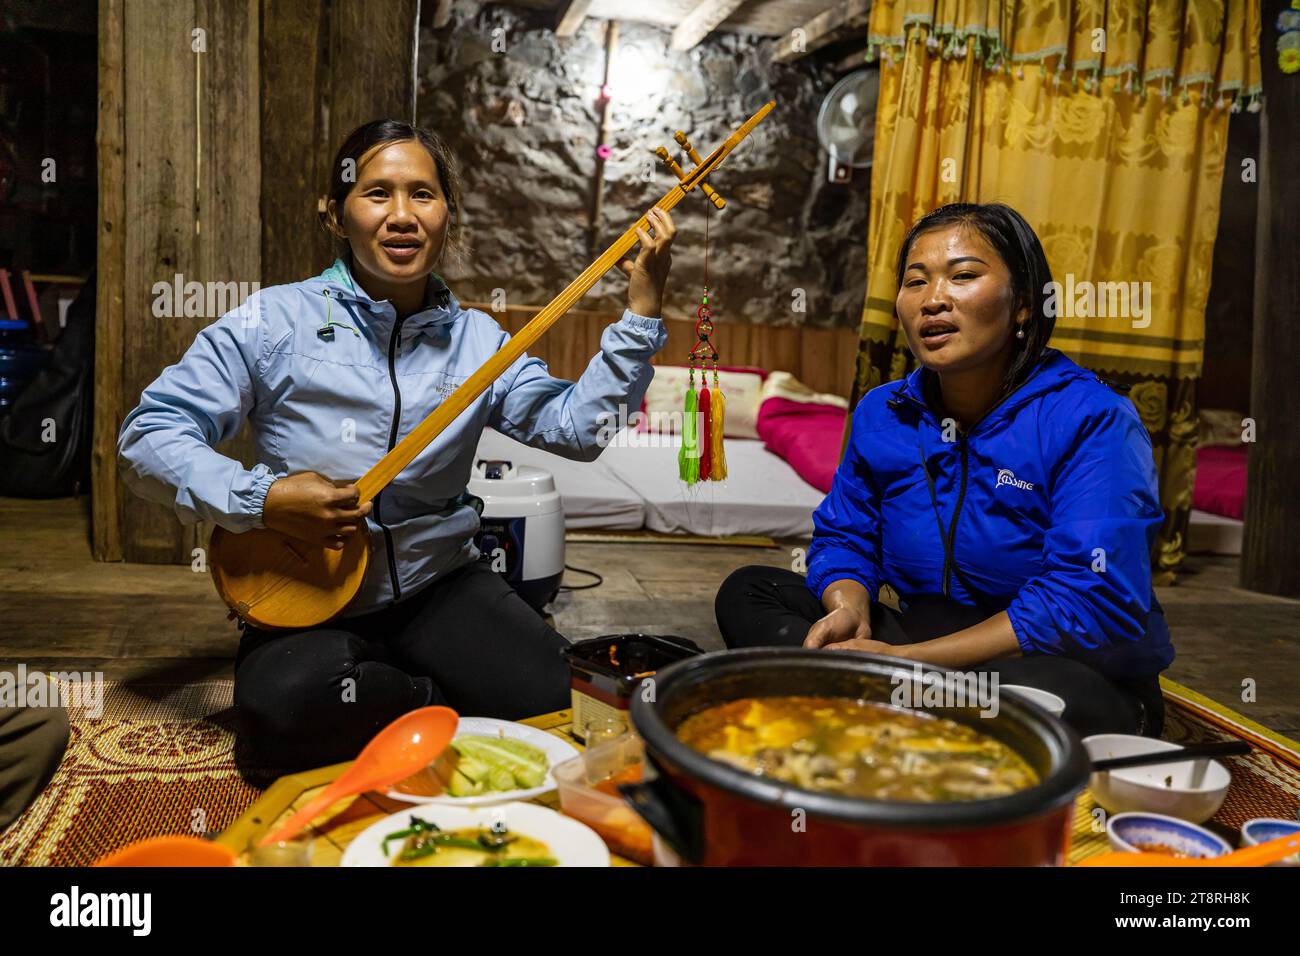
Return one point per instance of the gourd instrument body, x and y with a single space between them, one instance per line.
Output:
276 582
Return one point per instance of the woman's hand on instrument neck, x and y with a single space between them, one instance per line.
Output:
312 508
648 273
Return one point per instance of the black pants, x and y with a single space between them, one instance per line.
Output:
763 607
314 697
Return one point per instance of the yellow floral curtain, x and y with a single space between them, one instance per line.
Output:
1105 125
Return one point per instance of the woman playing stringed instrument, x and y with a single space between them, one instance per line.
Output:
330 372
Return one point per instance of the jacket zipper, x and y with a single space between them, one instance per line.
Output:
392 440
949 556
949 559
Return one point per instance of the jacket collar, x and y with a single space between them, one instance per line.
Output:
1054 370
440 306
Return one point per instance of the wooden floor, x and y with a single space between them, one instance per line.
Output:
61 609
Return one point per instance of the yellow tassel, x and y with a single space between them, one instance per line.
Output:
717 415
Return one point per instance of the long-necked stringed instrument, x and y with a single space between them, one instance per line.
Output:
274 581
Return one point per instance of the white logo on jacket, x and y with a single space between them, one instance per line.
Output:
1008 477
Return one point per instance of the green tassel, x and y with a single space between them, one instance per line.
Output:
688 459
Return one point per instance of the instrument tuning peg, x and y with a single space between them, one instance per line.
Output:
709 191
670 162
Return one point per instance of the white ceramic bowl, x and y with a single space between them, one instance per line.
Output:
1190 789
1050 702
1134 832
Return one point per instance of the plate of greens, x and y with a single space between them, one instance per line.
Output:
504 835
488 761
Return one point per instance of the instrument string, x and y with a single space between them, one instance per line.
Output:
401 455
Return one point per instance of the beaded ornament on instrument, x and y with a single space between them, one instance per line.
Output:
702 457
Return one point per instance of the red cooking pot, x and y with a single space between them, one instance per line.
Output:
706 812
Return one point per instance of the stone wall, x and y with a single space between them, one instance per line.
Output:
519 106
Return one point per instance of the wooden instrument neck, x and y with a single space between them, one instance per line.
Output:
405 451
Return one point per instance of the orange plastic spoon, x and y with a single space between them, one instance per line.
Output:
170 851
1261 855
404 747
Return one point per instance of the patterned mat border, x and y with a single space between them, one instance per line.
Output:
1228 720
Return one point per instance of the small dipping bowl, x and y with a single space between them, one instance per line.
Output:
293 852
1051 703
1189 789
1262 829
1156 833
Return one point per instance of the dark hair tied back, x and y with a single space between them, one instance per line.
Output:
381 132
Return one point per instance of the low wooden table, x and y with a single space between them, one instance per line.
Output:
343 822
347 819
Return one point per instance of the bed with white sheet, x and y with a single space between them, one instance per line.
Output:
633 485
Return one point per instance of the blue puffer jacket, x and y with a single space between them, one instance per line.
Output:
330 380
1048 505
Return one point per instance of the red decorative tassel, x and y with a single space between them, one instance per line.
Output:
705 433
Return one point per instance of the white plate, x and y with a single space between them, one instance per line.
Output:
556 750
571 843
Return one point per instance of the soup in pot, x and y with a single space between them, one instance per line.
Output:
857 748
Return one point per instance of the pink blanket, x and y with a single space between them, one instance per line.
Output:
1220 485
806 435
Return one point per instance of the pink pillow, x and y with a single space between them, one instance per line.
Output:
805 434
1220 485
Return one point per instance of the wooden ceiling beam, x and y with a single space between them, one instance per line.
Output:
856 60
701 21
575 11
824 29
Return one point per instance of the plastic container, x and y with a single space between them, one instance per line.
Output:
606 672
588 786
20 359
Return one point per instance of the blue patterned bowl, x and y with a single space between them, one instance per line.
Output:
1156 833
1262 829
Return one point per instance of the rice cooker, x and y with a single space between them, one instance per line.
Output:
521 529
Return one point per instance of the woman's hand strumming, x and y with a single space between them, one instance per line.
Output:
312 508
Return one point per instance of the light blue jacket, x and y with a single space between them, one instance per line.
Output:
329 380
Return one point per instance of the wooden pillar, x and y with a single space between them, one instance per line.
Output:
295 133
1270 554
110 146
210 165
372 63
327 67
177 144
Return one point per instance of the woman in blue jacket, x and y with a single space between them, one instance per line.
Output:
1007 496
330 373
